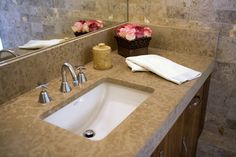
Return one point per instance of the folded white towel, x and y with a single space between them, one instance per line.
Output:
37 44
162 67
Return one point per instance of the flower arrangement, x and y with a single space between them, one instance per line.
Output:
85 26
133 39
133 31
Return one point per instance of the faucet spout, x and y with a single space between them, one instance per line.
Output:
65 87
8 51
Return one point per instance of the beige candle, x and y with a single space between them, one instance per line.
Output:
102 57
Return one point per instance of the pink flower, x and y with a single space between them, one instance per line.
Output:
139 31
133 31
93 27
130 36
127 33
85 27
147 32
122 32
82 21
77 27
99 23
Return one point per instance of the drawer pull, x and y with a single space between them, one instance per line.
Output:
196 101
185 145
161 154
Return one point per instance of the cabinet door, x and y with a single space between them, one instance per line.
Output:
192 125
171 145
174 139
160 151
204 104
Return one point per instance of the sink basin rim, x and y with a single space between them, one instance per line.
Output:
84 113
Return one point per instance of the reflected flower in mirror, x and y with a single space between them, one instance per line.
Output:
84 26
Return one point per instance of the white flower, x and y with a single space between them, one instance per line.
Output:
130 36
85 28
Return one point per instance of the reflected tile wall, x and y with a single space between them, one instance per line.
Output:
24 20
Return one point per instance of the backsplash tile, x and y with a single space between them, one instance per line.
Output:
177 12
184 40
226 16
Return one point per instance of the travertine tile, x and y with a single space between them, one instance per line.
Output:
226 16
59 4
177 12
217 108
184 40
36 27
225 73
213 128
4 5
48 13
203 14
220 113
231 116
226 50
213 145
225 4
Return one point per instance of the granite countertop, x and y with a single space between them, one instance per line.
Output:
24 133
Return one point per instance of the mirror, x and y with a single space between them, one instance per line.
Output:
25 20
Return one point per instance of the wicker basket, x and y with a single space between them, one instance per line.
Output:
132 48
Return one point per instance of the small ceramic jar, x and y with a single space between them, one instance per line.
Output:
102 57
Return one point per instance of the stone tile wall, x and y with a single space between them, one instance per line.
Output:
24 20
187 26
184 40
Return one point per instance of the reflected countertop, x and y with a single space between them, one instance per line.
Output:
24 133
18 52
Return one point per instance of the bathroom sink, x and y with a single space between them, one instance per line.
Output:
99 110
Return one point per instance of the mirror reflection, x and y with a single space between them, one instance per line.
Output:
30 25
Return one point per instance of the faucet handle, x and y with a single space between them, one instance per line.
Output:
80 68
42 86
44 96
81 75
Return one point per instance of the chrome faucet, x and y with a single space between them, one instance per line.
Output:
65 87
9 51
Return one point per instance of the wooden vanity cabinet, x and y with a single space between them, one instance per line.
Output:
182 139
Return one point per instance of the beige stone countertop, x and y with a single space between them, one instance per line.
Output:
23 133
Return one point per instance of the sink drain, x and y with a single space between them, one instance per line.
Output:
89 134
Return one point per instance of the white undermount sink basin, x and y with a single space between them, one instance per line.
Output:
101 109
